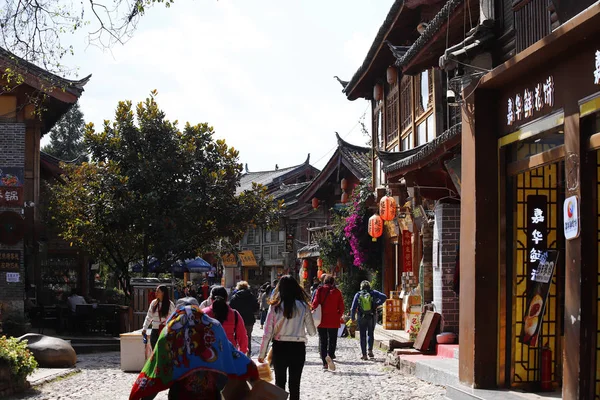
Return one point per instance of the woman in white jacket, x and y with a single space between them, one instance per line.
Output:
159 311
288 320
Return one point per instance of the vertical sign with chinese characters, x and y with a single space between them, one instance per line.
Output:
407 251
537 229
537 297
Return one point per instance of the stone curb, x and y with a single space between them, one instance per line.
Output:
53 376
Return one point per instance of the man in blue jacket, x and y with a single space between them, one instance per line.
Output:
365 303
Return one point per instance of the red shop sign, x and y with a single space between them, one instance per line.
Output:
407 251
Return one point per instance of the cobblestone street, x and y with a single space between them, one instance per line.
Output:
101 378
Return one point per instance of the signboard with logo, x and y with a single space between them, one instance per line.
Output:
537 229
571 217
537 297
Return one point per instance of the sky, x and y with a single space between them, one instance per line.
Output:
259 71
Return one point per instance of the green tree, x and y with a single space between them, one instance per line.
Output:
66 138
153 189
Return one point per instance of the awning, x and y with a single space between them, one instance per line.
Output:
192 265
246 257
312 250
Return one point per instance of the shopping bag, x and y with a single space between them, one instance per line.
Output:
235 389
317 314
263 390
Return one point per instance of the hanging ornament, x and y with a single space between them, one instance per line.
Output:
344 198
392 75
305 263
319 273
387 208
319 262
375 227
315 203
305 274
344 184
378 92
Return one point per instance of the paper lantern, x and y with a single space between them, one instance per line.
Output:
315 203
387 208
378 92
344 198
319 262
391 75
319 273
305 274
375 227
344 184
304 264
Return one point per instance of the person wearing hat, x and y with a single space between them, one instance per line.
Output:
365 305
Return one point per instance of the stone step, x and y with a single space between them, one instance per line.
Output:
436 370
87 348
456 393
447 350
460 392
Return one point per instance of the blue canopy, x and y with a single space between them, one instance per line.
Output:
192 265
153 264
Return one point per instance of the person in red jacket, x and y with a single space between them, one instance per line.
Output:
332 309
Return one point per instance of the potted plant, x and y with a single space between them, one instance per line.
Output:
16 363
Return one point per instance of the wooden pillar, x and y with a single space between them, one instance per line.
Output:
479 230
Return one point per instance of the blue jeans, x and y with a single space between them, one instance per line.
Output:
366 326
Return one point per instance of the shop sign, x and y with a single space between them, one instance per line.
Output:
13 277
11 196
597 69
524 106
537 297
407 251
10 260
289 243
571 217
537 228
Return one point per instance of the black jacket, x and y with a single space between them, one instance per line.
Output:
246 304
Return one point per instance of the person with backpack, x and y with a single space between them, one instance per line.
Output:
244 301
365 304
332 308
232 321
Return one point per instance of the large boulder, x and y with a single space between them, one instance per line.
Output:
50 352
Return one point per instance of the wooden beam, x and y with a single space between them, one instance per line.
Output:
537 160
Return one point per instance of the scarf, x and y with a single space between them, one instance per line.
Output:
191 342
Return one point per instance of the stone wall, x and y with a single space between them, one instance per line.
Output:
446 236
12 154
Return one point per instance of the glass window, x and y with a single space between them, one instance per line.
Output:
430 128
282 236
407 142
377 174
380 129
422 133
268 236
425 89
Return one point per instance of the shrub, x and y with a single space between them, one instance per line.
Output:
17 356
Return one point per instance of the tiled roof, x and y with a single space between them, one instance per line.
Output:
357 158
289 193
425 150
268 178
381 34
9 60
432 28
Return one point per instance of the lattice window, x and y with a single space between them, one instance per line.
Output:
545 181
423 92
532 22
391 114
405 102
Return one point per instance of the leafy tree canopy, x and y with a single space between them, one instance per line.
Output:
153 189
66 138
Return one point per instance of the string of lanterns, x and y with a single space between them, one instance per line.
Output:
387 212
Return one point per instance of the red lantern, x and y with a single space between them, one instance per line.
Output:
344 198
375 227
319 262
319 273
344 184
378 92
391 75
305 264
305 274
315 203
387 208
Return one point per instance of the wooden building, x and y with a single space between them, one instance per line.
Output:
31 101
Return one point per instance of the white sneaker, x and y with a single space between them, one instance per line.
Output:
330 363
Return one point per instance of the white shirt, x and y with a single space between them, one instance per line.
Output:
153 319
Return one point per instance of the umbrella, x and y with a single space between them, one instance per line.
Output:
153 264
192 265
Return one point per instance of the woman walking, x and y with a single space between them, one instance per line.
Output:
232 321
158 313
288 320
332 308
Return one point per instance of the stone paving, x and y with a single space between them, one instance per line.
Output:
100 377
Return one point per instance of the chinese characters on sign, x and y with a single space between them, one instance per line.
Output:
11 196
537 297
523 106
13 277
597 69
10 260
571 217
407 251
537 226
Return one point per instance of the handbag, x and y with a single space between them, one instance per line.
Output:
317 313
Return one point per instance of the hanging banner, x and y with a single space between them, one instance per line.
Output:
407 251
537 297
537 229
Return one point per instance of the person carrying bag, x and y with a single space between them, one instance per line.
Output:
329 303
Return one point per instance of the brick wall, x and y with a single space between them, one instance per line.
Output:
446 234
12 154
